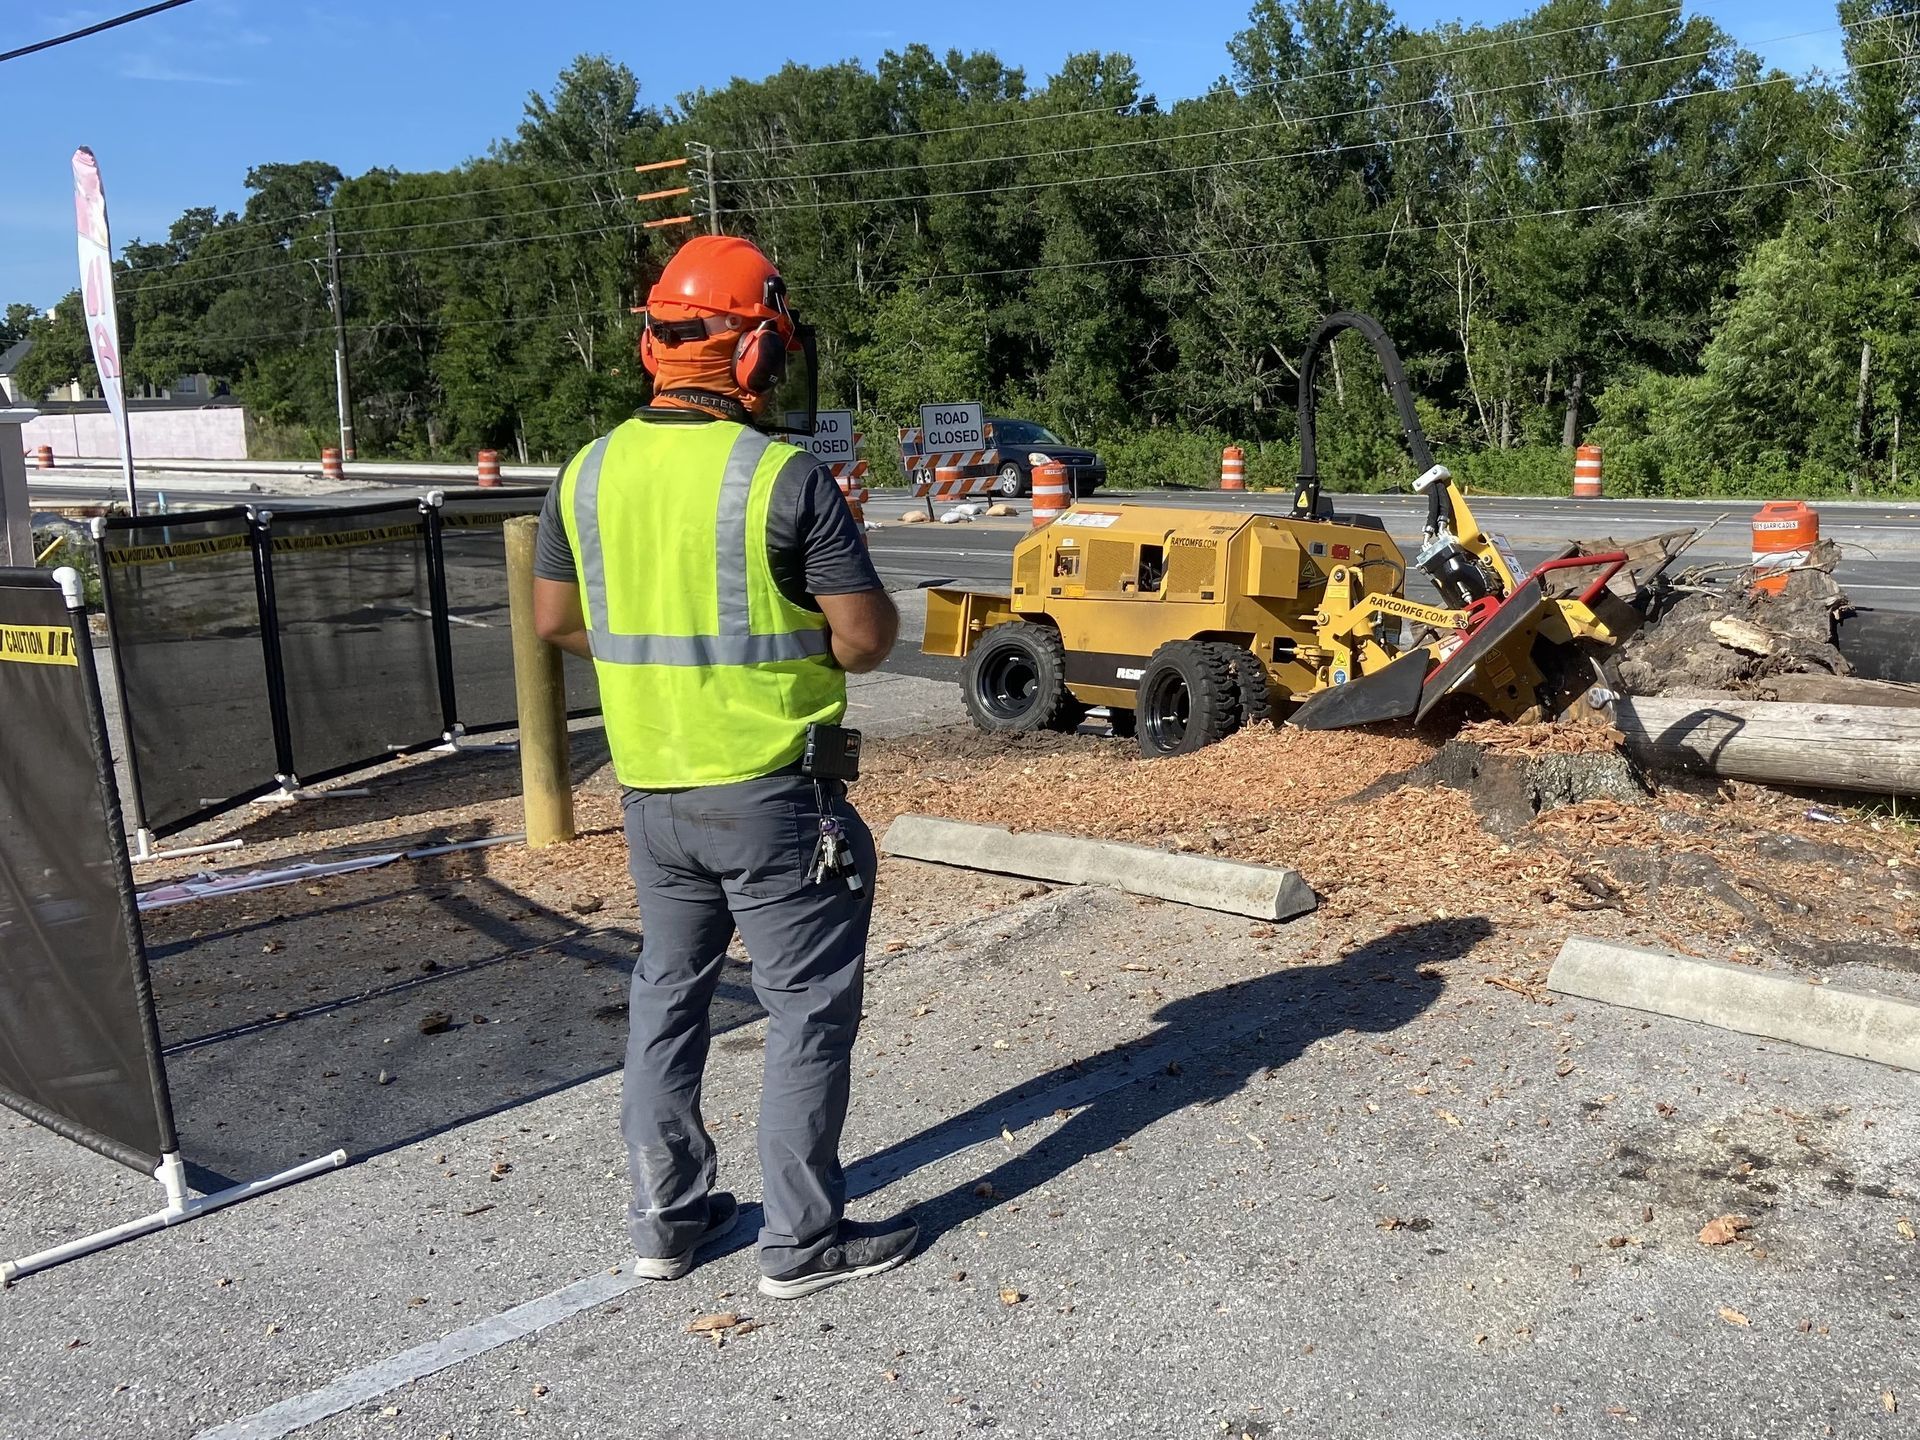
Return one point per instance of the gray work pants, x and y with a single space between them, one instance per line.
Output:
705 862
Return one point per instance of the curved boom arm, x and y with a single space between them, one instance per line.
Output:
1306 499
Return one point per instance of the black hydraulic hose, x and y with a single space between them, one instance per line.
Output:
1307 497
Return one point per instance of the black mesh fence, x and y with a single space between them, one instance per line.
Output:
79 1051
474 560
183 607
306 644
352 605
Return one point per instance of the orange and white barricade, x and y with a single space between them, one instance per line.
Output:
952 482
921 463
850 476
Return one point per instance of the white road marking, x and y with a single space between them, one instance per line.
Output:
943 1142
453 619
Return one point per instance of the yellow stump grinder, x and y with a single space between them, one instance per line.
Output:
1187 623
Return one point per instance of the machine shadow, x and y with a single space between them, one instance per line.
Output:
1371 990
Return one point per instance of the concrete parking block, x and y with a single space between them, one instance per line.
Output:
1262 891
1861 1023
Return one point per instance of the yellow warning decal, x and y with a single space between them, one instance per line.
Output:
180 550
346 539
38 645
470 520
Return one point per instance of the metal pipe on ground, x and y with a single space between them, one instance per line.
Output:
540 692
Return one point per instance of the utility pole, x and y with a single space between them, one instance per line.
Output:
703 154
340 383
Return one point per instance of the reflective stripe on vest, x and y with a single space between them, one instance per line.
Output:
735 644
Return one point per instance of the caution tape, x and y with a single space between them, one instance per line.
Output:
346 539
38 645
487 518
178 550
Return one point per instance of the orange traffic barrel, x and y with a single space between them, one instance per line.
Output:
947 482
1050 496
1233 468
330 464
488 467
43 457
1586 473
1784 534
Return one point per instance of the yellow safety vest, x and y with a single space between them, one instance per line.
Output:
708 674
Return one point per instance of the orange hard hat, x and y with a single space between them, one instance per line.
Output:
721 275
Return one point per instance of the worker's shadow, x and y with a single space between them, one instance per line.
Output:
1209 1046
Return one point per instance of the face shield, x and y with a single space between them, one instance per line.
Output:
790 407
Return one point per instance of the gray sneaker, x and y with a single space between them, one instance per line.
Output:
856 1250
722 1211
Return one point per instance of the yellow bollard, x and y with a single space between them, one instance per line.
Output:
540 694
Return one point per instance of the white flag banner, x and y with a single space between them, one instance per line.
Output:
96 292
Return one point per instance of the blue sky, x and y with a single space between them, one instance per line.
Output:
178 107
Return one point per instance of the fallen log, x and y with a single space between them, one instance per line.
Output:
1834 690
1821 747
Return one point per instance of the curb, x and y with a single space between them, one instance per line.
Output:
1858 1023
1262 892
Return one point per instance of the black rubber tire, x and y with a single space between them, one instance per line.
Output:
1189 697
1014 680
1256 700
1010 483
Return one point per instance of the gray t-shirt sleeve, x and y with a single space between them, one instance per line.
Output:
813 544
552 555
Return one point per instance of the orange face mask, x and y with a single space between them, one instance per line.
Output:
698 365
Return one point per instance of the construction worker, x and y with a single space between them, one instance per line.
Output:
723 591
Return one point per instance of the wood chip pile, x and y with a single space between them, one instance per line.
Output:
1765 872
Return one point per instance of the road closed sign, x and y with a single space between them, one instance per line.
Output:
832 438
953 427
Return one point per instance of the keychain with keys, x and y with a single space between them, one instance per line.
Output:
833 856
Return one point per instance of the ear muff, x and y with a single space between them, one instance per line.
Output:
760 359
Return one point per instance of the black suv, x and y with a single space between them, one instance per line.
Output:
1017 439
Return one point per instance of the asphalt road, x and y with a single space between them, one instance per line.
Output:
1880 543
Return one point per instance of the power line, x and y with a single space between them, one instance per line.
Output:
1398 230
112 24
1302 120
1564 212
355 209
496 321
1316 152
1209 94
164 285
470 219
495 189
497 240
